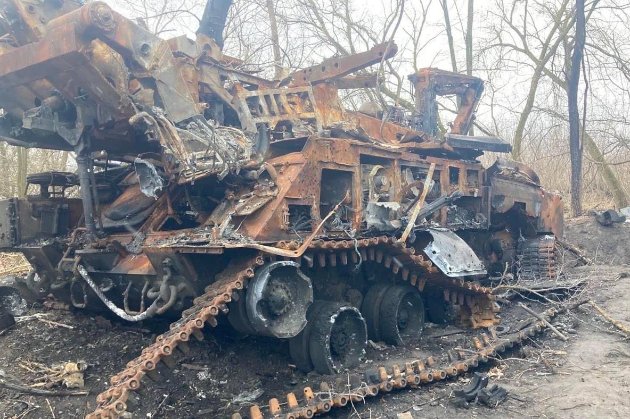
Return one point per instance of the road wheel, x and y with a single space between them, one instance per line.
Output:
401 315
370 309
299 345
338 337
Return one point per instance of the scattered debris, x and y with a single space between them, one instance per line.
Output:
379 346
68 374
625 329
5 382
492 396
248 396
497 372
56 305
609 217
469 392
477 390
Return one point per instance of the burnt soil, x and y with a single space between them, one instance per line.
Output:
587 376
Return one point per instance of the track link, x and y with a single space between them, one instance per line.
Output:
477 303
413 373
113 401
537 258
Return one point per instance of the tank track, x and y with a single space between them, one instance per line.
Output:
411 374
113 401
476 302
537 258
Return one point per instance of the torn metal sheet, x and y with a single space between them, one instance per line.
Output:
151 183
383 216
452 255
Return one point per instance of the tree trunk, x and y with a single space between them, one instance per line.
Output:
449 34
275 40
63 165
517 147
573 84
469 37
469 48
609 176
22 169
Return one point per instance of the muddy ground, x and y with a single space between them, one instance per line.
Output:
588 376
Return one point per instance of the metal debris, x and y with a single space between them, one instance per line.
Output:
609 217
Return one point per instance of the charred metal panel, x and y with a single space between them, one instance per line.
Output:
432 82
452 255
478 143
9 224
342 66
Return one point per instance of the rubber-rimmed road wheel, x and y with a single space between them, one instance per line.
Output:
370 309
401 314
299 345
338 337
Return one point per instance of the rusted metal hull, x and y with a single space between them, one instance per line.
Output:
195 174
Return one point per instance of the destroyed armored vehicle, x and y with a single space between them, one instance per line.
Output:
202 188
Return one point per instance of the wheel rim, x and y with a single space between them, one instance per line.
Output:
346 338
343 337
401 315
410 318
338 337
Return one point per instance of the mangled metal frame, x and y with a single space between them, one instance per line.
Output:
143 101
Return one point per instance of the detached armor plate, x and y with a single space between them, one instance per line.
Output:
452 255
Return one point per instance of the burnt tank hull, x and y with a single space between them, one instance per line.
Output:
204 189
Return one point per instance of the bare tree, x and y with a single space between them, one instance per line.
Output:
528 35
573 84
470 17
164 16
275 39
449 34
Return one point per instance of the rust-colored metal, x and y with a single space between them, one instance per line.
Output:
386 378
198 177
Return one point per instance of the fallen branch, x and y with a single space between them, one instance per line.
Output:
542 319
41 318
614 322
571 248
39 392
157 409
36 316
54 323
521 289
451 333
52 412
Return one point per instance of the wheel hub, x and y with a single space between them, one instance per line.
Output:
278 298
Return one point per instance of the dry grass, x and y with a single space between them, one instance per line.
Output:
595 193
13 264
